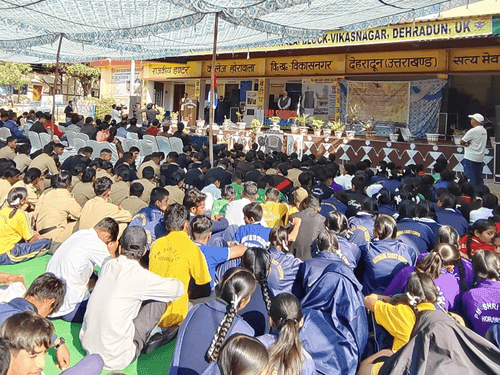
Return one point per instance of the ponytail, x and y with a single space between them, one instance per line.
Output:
14 199
328 241
285 355
236 285
431 265
461 270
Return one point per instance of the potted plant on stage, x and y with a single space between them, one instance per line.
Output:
317 124
369 128
302 120
457 136
174 119
338 127
241 125
275 120
227 123
256 125
294 127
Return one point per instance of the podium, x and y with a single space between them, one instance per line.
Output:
189 113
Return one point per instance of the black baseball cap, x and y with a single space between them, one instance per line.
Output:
134 239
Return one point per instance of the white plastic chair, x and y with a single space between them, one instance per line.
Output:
70 136
152 141
132 135
128 143
82 136
5 133
114 152
35 141
79 143
44 138
176 144
163 144
96 148
145 148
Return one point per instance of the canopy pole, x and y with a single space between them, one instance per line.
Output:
56 74
212 94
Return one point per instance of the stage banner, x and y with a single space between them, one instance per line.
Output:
384 101
168 70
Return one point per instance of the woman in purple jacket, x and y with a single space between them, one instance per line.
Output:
482 303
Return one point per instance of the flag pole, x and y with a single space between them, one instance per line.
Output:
212 94
55 87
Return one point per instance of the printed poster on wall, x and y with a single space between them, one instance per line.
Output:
385 101
121 82
319 98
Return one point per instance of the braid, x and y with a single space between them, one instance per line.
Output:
468 245
13 212
461 270
265 294
224 327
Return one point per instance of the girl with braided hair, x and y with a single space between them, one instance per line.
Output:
286 354
207 325
338 224
240 355
18 241
397 314
482 303
480 237
256 313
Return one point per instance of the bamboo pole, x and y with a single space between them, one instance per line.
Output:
212 94
55 86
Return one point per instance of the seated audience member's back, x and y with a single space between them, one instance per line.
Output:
253 234
208 324
256 313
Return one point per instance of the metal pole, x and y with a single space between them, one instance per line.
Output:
55 86
212 94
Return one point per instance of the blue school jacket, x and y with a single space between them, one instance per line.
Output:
253 235
493 335
454 218
284 269
196 334
387 209
392 185
350 250
332 204
378 179
221 269
308 368
335 331
416 234
431 224
152 220
311 269
255 313
383 260
362 226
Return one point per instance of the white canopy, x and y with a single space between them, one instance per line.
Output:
151 29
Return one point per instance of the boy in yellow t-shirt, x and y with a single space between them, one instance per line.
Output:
274 213
176 256
15 227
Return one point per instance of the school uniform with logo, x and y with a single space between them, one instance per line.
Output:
482 305
284 269
383 260
416 234
253 235
362 227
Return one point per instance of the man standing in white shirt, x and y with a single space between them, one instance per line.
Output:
474 142
126 304
74 262
234 210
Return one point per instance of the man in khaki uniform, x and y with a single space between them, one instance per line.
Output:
23 159
57 211
176 194
294 172
98 208
134 203
154 162
148 183
45 162
9 151
121 187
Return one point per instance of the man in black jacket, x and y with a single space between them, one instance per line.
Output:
134 129
220 173
39 126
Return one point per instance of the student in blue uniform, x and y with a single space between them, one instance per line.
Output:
386 203
482 303
381 175
286 354
394 180
208 324
240 354
362 224
284 265
426 213
414 233
332 204
201 230
338 224
253 234
447 214
256 313
385 256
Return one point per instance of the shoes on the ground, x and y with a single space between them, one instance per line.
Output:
160 338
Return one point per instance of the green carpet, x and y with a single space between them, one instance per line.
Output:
155 363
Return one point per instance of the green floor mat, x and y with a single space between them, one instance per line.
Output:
155 363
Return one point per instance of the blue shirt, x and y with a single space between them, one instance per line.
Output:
454 218
284 269
152 219
253 235
416 234
214 256
383 260
15 306
11 125
122 132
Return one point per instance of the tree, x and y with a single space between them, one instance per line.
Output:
83 73
15 75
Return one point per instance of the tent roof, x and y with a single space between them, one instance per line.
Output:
145 29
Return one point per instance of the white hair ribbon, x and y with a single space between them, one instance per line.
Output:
412 300
15 202
398 199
